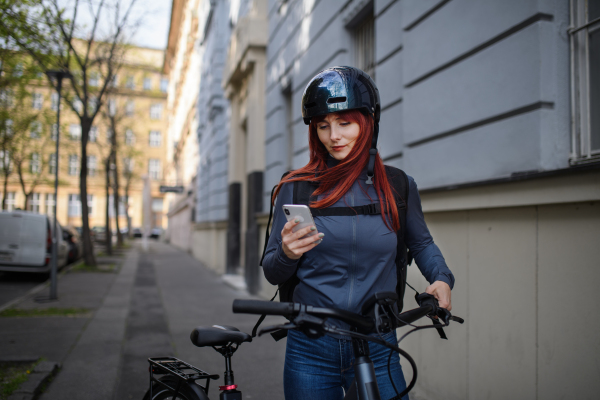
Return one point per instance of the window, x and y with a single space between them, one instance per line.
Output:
91 165
127 166
74 205
52 163
77 105
585 81
34 163
35 130
11 201
129 137
156 111
54 101
93 135
129 108
112 107
49 203
37 101
155 139
93 80
6 97
73 164
130 83
18 71
147 84
92 104
111 206
75 131
54 132
109 135
5 161
8 127
34 203
364 45
164 85
90 203
114 82
289 126
154 168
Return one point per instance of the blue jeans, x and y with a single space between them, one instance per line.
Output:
322 369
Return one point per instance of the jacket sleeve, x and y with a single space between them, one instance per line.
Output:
427 255
276 265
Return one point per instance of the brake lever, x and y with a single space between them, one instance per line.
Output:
274 328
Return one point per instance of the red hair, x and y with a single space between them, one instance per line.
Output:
337 180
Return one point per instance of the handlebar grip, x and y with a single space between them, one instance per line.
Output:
262 307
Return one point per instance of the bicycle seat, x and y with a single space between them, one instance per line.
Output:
218 335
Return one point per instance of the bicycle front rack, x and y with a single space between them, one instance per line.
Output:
180 369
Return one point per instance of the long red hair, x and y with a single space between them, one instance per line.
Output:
337 180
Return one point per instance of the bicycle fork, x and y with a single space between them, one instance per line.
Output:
364 386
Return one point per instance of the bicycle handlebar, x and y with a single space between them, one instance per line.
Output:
292 309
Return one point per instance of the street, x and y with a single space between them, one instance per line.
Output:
148 309
14 285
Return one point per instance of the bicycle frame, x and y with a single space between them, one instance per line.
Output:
364 386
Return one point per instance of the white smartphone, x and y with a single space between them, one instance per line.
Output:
301 212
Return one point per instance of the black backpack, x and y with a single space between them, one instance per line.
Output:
302 192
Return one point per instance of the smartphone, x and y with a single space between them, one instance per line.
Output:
301 212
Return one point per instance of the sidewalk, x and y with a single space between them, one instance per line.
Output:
148 309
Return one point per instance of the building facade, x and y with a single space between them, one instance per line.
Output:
181 65
138 100
489 105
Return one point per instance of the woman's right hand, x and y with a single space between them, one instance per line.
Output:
293 245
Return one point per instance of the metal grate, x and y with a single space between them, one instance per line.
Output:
364 39
584 35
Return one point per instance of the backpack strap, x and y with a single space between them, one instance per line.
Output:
399 182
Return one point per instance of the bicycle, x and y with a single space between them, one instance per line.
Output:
177 379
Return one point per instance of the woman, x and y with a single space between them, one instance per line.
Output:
356 257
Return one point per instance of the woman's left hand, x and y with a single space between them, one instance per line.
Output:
441 291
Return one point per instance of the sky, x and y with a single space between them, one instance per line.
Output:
154 16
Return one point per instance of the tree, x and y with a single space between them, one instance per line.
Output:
52 38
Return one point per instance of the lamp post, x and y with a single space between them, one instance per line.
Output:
59 75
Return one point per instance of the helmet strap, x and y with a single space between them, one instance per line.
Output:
372 154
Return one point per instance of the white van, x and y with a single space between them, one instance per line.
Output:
26 242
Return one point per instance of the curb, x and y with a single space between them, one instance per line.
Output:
39 287
40 375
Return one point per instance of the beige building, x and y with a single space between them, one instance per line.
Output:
139 102
182 65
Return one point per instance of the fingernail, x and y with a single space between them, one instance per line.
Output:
321 234
312 228
296 220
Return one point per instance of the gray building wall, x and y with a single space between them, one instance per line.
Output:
471 91
213 109
475 106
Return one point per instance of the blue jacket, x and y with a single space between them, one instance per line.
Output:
356 257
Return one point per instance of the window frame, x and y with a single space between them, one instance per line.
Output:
581 124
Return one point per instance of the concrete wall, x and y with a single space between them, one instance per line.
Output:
522 275
208 244
180 225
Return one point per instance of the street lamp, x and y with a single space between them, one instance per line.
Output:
59 75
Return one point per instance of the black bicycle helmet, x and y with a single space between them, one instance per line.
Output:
343 88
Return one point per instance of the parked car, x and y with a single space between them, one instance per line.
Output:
26 242
137 233
155 233
99 234
79 230
75 244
